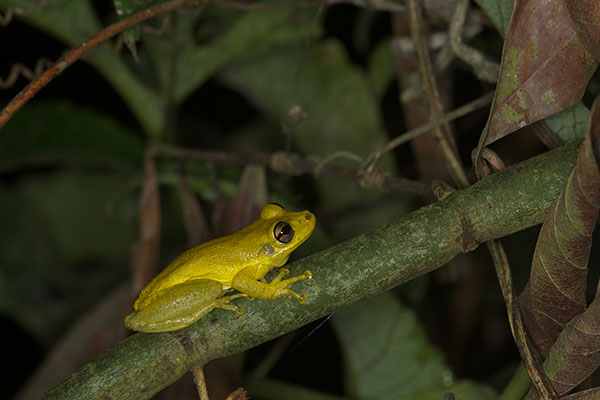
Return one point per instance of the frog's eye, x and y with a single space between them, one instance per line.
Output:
283 232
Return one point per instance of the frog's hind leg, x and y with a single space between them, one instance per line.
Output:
245 282
180 306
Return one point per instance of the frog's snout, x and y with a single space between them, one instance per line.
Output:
310 218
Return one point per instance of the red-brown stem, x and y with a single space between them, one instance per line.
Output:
64 62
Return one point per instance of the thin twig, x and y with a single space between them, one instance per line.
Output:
451 116
297 109
443 134
294 165
65 61
200 381
483 68
491 162
534 368
18 69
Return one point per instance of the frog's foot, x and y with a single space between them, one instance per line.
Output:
245 282
282 285
226 304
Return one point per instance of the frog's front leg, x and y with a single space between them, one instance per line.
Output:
180 306
245 282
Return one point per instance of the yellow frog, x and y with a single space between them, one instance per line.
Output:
200 279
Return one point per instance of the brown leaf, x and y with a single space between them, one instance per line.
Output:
586 15
194 220
589 394
556 289
144 254
545 68
247 202
576 353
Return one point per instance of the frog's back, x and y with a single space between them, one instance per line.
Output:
218 260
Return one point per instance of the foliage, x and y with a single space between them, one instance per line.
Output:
213 109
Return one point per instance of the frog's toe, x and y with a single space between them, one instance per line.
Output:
227 304
306 276
302 298
299 296
282 272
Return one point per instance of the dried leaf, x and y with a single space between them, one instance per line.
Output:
590 394
576 353
545 68
586 14
144 255
194 220
556 289
247 202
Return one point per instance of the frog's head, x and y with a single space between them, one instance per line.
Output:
285 230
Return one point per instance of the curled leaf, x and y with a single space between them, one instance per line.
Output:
144 254
556 289
586 14
576 353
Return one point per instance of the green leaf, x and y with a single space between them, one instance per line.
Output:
556 289
71 211
499 11
70 21
60 132
23 261
341 113
382 67
58 247
222 35
388 356
270 389
569 125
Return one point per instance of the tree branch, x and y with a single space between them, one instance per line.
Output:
506 202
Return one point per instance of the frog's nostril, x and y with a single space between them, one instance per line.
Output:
307 216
